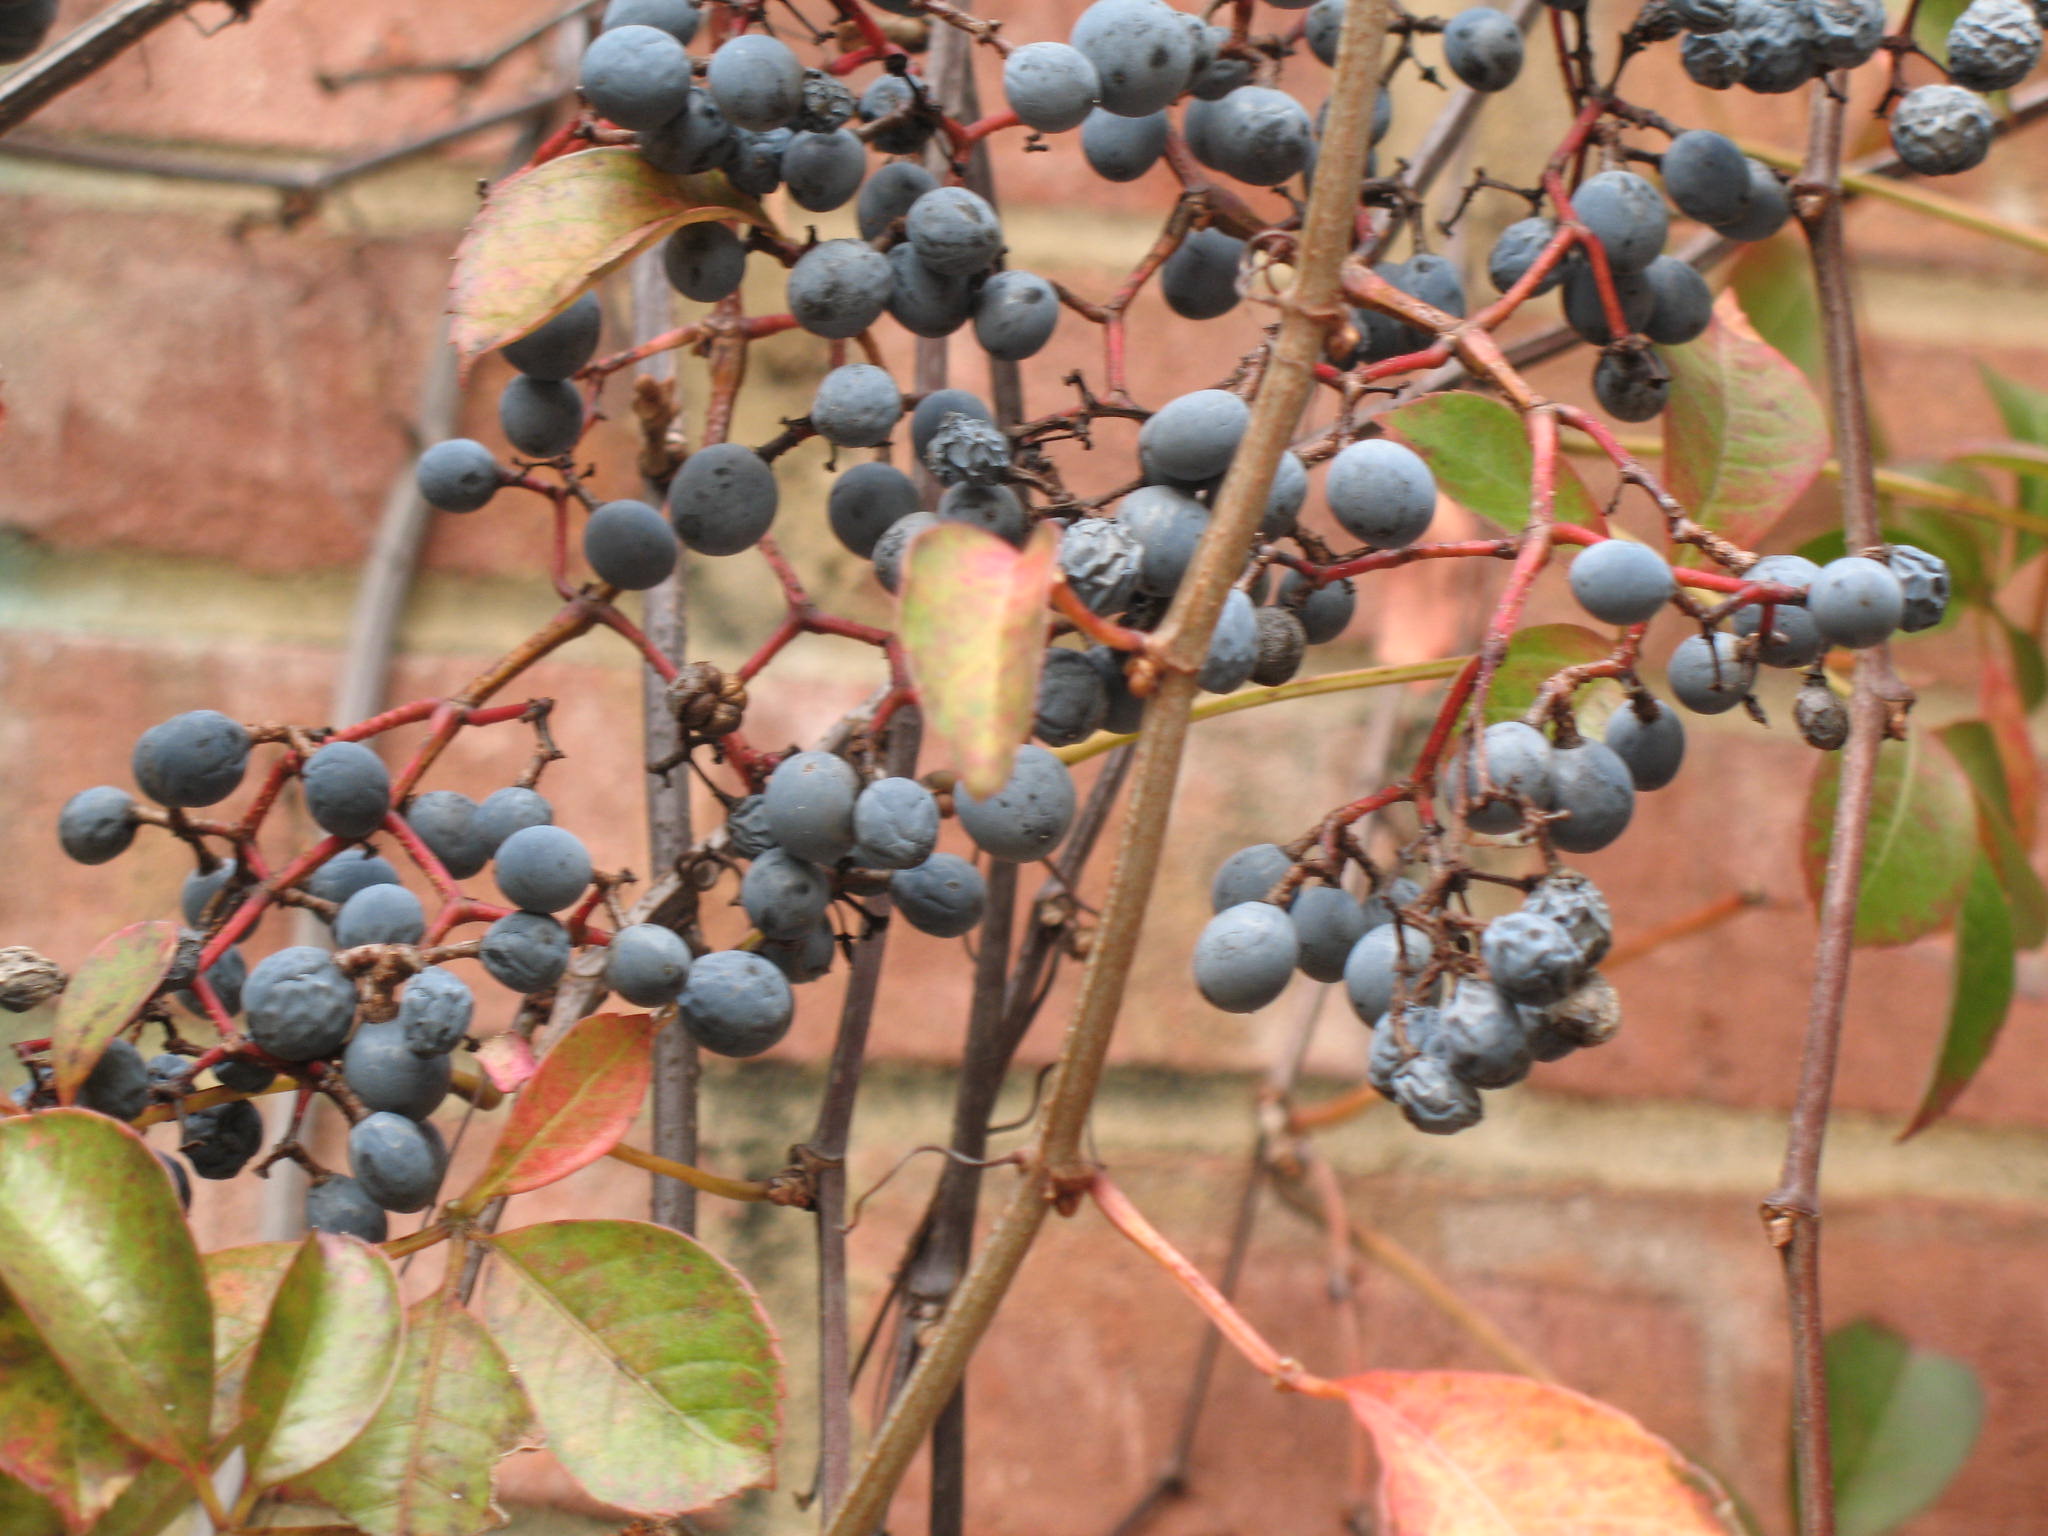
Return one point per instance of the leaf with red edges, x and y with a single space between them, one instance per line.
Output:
578 1105
1465 1453
648 1361
103 997
547 233
51 1439
1745 434
972 619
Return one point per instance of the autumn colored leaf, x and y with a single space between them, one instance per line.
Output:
103 997
96 1252
423 1466
1465 1453
1478 450
242 1282
52 1441
1974 746
1921 847
972 618
325 1359
547 233
1745 434
650 1363
575 1109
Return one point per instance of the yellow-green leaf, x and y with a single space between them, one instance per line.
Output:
423 1466
972 619
103 997
97 1254
651 1365
325 1360
547 233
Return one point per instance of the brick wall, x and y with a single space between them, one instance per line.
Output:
204 411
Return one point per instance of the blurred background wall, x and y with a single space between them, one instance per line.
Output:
206 404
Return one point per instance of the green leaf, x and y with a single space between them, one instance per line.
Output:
1745 434
2026 460
23 1513
103 997
97 1253
54 1441
423 1467
972 620
2024 410
1921 847
547 233
1903 1422
2029 668
1981 991
1478 450
650 1363
242 1282
151 1504
575 1109
1534 655
1975 749
1773 281
325 1360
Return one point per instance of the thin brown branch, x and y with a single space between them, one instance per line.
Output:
1057 1169
1792 1211
88 50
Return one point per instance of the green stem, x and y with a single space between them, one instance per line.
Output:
1299 688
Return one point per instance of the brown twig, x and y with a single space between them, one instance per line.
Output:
1057 1169
1791 1212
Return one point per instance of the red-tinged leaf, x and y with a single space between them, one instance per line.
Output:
2003 695
1975 748
544 235
97 1254
577 1107
52 1440
325 1360
650 1363
103 997
1535 655
1921 847
1980 994
972 618
1478 450
1745 434
423 1466
1463 1453
508 1061
242 1282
